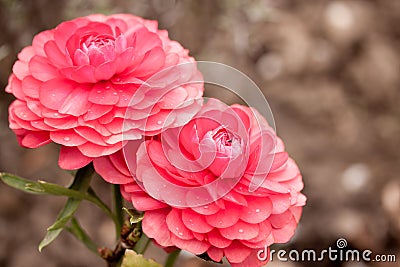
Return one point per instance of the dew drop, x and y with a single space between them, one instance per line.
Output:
99 91
205 207
241 230
53 95
177 228
108 87
115 93
67 139
159 122
180 233
257 210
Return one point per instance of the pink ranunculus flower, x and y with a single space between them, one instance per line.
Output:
75 83
200 200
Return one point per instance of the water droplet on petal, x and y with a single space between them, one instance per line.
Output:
108 87
99 91
159 122
180 233
53 95
67 139
205 207
257 210
241 230
115 93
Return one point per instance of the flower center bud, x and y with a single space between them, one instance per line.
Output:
99 48
224 140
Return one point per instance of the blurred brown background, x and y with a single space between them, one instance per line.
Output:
330 71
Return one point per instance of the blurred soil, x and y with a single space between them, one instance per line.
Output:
330 71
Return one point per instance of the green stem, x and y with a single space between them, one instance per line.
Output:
118 205
81 183
142 244
172 258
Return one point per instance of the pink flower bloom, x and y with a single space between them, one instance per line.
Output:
199 199
74 85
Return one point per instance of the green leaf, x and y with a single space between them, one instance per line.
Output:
20 183
80 234
132 259
81 183
44 188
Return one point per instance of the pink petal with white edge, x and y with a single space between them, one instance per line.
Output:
118 160
296 211
103 94
67 138
240 231
143 202
236 252
257 210
265 230
154 226
30 87
280 220
195 221
53 93
105 71
54 54
76 103
83 74
106 169
215 254
176 225
40 40
21 70
280 203
217 240
35 139
208 209
41 69
225 218
283 235
72 159
194 246
252 260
